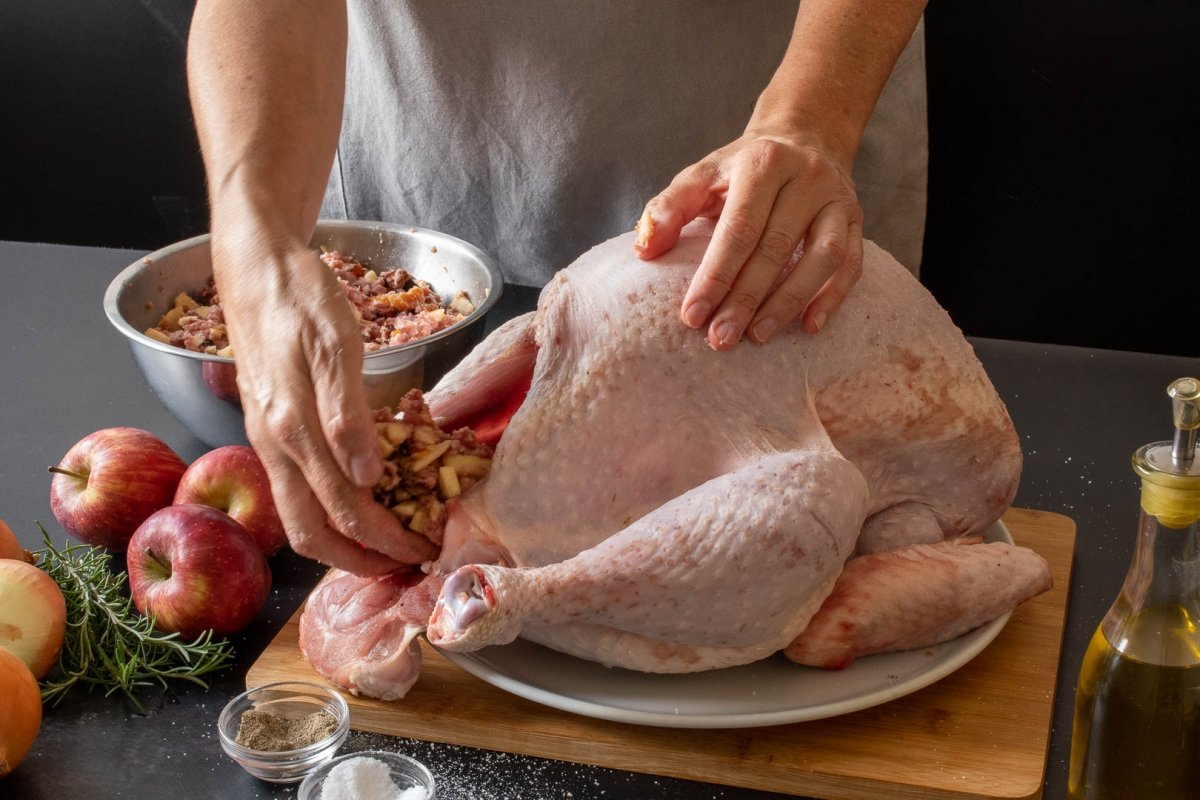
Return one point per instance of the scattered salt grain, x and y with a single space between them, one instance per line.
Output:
365 778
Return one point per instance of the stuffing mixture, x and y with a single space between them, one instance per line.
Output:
392 307
424 466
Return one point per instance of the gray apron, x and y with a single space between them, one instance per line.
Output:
539 128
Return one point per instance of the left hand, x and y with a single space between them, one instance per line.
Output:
768 193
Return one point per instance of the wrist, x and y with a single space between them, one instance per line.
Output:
257 254
837 62
792 115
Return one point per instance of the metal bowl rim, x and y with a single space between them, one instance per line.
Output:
115 288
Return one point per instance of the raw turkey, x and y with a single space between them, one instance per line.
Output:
657 505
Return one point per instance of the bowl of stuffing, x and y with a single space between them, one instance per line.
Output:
420 297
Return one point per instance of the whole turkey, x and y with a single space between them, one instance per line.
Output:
657 505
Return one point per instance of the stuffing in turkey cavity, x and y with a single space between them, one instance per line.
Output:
424 466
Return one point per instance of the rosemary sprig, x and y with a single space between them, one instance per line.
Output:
108 644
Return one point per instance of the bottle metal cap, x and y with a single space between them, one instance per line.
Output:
1170 471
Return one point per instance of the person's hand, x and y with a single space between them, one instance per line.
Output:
299 371
768 193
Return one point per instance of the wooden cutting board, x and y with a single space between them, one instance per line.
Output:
981 732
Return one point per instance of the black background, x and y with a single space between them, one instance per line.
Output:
1064 155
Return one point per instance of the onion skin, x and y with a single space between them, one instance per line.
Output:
10 547
33 615
20 709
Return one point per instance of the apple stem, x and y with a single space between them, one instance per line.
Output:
61 471
157 567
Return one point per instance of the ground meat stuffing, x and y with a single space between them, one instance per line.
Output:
193 324
423 466
392 308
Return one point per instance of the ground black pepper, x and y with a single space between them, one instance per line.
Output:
262 730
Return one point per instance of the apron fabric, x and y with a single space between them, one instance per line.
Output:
537 129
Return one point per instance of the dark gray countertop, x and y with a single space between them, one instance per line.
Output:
64 372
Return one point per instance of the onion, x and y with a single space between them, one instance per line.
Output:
20 709
33 615
10 547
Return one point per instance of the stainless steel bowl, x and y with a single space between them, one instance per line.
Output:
199 389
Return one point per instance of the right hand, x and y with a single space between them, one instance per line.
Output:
299 365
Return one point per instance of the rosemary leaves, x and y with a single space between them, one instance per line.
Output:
108 644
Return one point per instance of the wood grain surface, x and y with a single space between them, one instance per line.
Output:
981 732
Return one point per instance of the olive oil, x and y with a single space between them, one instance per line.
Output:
1137 712
1136 734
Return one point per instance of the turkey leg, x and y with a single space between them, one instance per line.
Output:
742 560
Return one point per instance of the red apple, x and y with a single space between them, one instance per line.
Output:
195 568
221 380
233 480
110 481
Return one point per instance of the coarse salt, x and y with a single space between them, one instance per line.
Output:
365 778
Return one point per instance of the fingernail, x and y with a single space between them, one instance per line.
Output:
364 470
645 229
726 332
697 313
819 319
764 329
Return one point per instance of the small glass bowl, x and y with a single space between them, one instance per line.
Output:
407 773
290 701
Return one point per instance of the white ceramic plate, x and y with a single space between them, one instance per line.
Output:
770 692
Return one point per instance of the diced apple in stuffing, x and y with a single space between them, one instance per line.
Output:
462 304
406 509
468 465
396 432
424 435
448 482
386 448
437 510
170 320
424 458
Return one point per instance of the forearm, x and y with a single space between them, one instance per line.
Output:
267 81
837 62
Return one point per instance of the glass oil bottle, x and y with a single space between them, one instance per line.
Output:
1136 734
